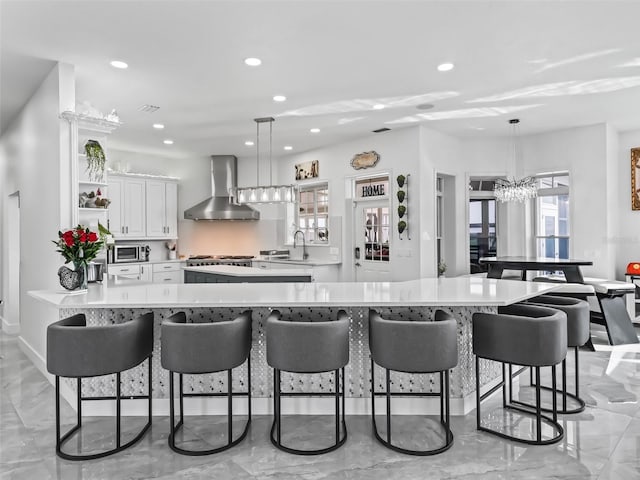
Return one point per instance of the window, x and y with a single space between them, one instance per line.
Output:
552 216
312 217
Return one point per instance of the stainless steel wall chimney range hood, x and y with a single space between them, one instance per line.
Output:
224 171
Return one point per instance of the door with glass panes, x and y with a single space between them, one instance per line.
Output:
373 240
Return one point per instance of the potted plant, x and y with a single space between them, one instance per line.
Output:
96 160
442 268
78 246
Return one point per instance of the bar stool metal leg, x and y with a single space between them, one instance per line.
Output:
340 420
175 427
444 413
534 410
61 440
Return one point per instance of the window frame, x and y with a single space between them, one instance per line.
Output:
293 214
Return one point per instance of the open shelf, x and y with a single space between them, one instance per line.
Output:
88 182
82 209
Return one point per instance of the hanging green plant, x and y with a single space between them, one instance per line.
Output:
401 179
402 225
401 210
96 160
401 194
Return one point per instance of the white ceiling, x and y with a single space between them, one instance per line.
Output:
553 64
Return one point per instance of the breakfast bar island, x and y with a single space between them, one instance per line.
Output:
419 299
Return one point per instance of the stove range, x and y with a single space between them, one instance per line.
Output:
237 260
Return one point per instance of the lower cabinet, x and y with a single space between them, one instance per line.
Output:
167 273
170 272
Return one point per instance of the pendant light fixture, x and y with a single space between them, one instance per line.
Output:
265 193
514 190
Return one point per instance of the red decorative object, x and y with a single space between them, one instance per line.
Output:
633 268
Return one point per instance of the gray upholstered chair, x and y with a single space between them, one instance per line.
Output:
526 335
577 312
75 350
208 347
298 345
413 347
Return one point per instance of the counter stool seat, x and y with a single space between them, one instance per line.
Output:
297 345
577 312
206 347
75 350
526 335
413 346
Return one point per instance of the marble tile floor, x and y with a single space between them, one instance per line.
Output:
601 443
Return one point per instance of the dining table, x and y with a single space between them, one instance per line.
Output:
569 266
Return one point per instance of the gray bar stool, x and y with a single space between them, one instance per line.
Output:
413 347
209 347
526 335
577 312
302 346
75 350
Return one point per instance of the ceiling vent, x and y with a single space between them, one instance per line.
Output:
380 130
148 108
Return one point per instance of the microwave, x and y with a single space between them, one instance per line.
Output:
121 253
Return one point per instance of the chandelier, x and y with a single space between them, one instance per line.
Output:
264 193
513 190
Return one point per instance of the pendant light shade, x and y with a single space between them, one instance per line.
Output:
264 193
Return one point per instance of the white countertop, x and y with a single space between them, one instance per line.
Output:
236 271
311 263
458 291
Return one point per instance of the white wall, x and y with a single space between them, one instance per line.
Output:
34 151
399 154
627 237
585 153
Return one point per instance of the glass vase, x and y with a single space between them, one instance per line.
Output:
81 268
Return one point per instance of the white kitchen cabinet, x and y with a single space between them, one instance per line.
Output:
162 209
146 272
127 212
125 271
170 272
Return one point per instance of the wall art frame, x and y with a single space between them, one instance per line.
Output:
635 178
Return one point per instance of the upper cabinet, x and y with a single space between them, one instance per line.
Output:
162 209
143 207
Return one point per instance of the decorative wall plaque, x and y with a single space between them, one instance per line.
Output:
365 160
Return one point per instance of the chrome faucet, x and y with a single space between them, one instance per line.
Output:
305 255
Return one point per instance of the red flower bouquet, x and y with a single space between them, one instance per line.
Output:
79 245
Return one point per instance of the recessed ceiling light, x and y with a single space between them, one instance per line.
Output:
378 106
445 67
168 142
249 143
288 147
252 62
315 130
118 64
158 126
279 98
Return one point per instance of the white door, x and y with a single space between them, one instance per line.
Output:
134 208
171 209
156 225
373 241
